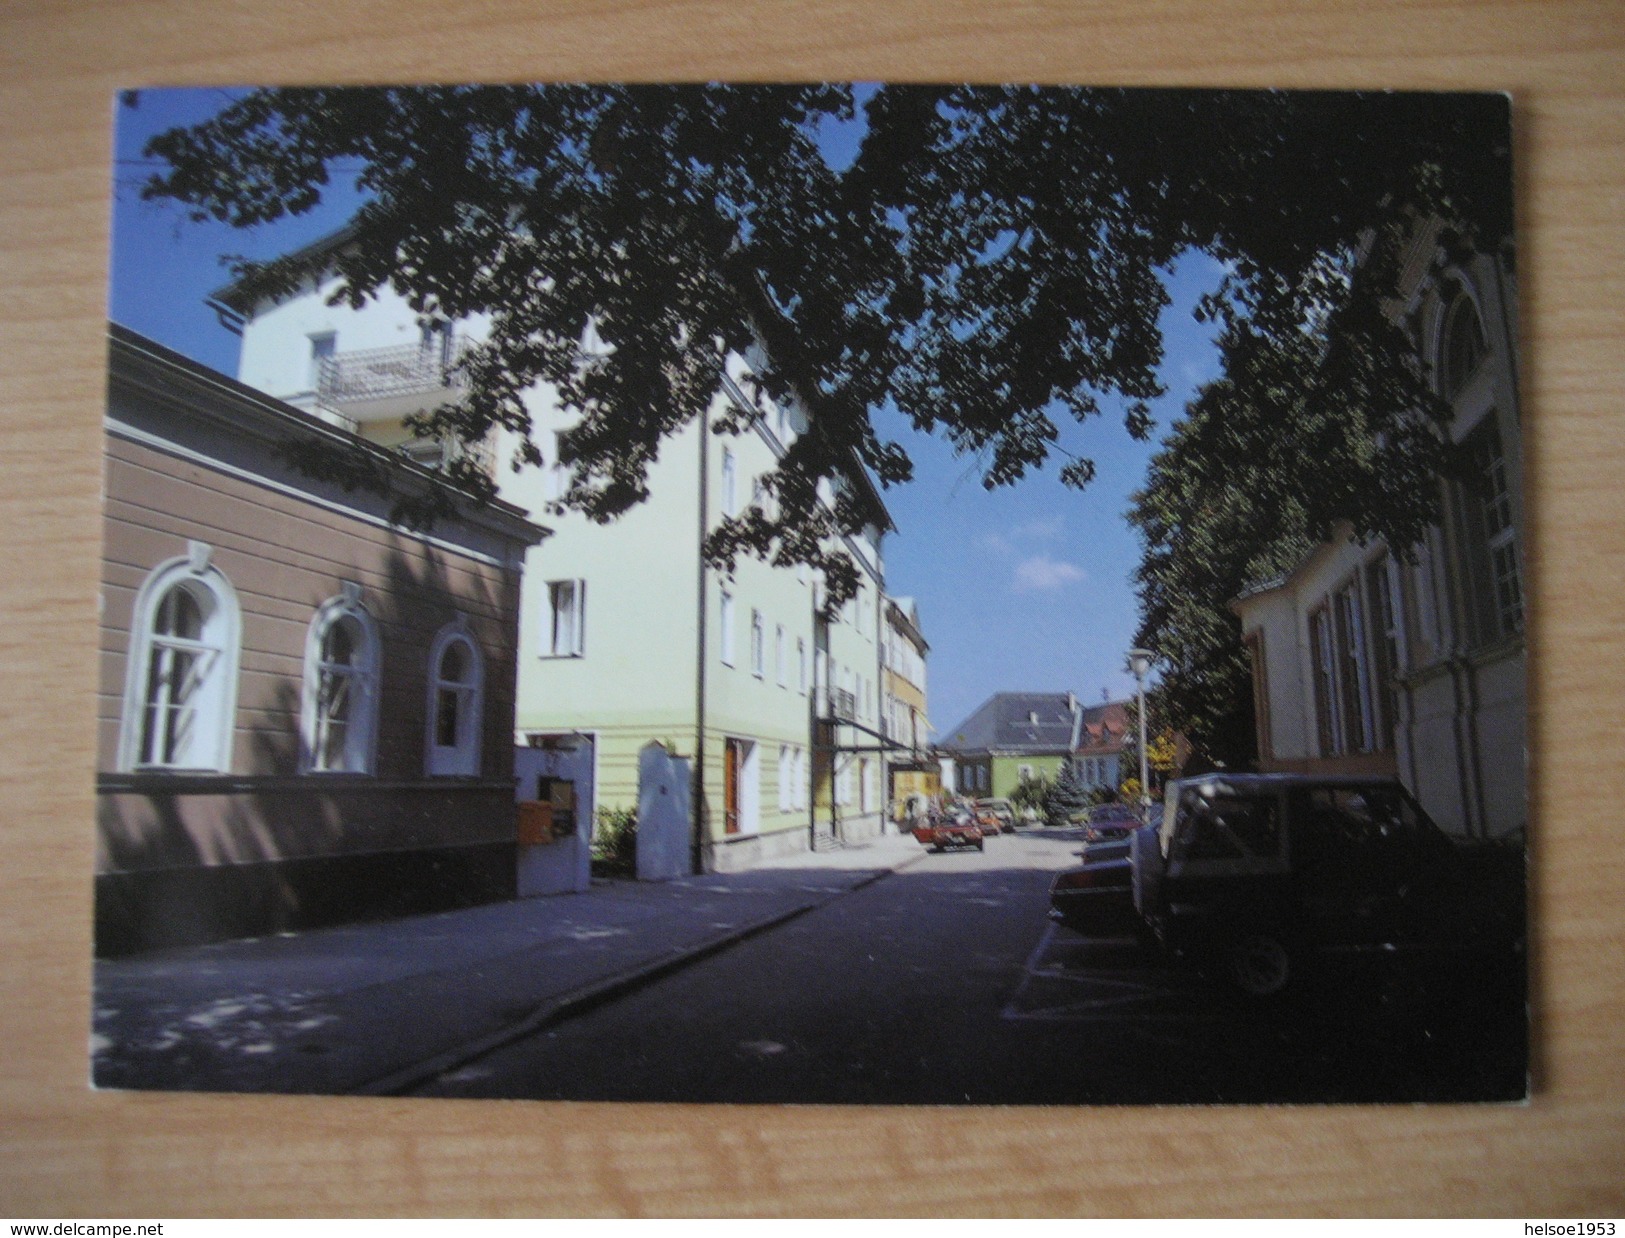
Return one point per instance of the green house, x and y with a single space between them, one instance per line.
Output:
1015 737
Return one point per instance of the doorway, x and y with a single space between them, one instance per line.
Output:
740 787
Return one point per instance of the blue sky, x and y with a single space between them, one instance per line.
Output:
1026 588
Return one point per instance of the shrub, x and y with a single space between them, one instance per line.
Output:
615 842
1030 794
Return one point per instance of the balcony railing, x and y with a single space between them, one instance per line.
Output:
839 704
384 373
439 455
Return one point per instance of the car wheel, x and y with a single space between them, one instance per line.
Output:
1259 964
978 844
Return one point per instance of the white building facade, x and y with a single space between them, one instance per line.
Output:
1369 661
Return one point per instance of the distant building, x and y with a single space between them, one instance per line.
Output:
629 640
1366 662
306 712
1016 737
1098 753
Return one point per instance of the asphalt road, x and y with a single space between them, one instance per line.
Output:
945 983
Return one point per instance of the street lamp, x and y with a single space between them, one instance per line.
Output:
1139 662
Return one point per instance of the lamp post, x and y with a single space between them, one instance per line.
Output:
1139 662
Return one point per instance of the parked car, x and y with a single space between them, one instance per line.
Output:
1110 822
1264 876
997 815
1097 897
956 827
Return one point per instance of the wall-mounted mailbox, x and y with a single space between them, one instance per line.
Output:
535 823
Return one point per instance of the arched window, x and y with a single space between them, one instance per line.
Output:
339 714
456 703
1462 345
180 688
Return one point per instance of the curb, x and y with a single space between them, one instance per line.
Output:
590 996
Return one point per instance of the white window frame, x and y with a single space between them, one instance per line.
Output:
461 758
758 642
801 665
780 671
1461 311
213 701
1322 643
362 691
555 477
1347 603
730 482
750 786
324 345
568 642
1496 528
725 624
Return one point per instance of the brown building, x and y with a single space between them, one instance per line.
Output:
305 711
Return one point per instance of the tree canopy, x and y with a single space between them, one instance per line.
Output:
988 263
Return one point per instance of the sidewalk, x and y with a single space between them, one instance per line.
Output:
374 1008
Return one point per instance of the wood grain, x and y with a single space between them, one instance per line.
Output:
65 1151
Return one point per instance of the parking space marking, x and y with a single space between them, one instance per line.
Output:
1048 990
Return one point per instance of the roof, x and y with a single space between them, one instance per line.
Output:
1103 726
1039 722
1342 533
908 613
1018 722
208 396
231 296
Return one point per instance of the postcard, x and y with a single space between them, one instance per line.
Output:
813 593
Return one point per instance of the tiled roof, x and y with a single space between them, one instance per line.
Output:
1037 722
1104 727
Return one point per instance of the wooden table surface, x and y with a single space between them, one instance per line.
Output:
65 1151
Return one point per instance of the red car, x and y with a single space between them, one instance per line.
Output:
956 828
996 816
